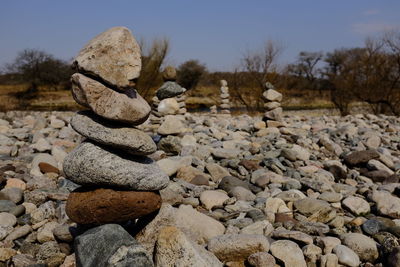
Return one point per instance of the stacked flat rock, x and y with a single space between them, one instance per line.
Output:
118 182
213 109
272 106
225 104
169 99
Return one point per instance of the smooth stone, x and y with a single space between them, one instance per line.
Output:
288 252
229 182
294 235
62 232
169 89
309 206
41 158
360 157
7 219
169 73
171 125
362 245
211 198
173 248
6 205
386 203
113 56
19 232
168 106
109 245
261 259
237 247
12 193
89 164
272 95
356 205
100 206
131 140
346 256
172 164
217 172
45 233
108 103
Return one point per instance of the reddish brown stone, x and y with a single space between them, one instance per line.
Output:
250 165
46 168
100 206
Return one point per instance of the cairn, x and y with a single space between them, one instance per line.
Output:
169 99
272 105
225 104
118 182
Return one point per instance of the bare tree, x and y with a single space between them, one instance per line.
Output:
37 67
262 66
190 72
153 58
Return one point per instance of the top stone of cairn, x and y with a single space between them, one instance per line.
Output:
112 56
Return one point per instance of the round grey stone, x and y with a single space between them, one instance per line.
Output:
90 164
108 133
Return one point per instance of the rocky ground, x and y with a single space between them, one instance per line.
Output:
320 191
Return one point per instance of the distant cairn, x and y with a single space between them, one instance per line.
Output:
272 105
169 99
225 102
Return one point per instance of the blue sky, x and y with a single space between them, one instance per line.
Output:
216 32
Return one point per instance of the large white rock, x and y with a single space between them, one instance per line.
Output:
114 56
386 203
288 252
173 248
168 106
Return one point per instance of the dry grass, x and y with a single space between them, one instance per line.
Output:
12 98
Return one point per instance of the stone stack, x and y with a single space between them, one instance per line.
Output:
213 109
273 110
118 182
169 99
225 104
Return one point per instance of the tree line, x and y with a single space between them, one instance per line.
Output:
368 74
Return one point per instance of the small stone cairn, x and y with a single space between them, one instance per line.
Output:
272 105
225 104
118 182
169 99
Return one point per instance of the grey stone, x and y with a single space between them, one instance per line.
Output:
6 205
288 252
107 133
169 89
362 245
237 247
89 164
7 219
346 256
14 194
109 245
113 56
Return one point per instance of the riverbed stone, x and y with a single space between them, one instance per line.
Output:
90 164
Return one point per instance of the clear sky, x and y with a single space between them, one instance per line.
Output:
216 32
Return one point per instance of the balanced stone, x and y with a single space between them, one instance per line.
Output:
99 206
108 133
109 245
169 89
90 164
113 56
169 73
108 103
